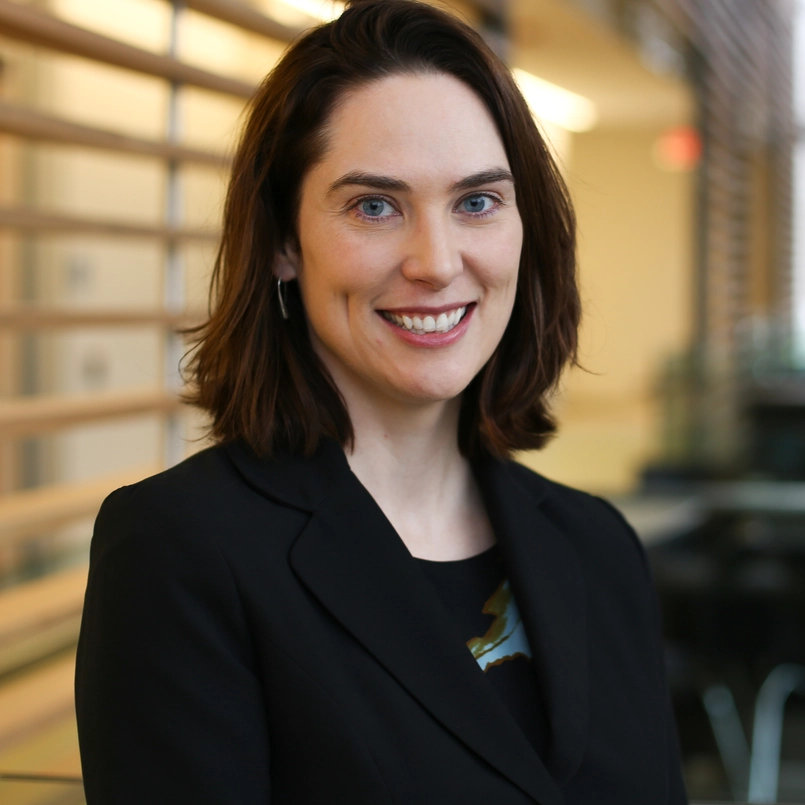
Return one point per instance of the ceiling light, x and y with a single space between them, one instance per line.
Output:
323 10
551 102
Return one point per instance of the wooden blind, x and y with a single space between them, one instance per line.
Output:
22 416
41 595
41 591
741 52
737 55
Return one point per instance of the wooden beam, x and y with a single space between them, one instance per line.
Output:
33 511
41 616
24 122
27 24
21 218
35 605
245 17
31 702
29 317
23 416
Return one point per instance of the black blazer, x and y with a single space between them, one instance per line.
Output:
257 632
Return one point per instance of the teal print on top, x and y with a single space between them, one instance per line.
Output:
506 638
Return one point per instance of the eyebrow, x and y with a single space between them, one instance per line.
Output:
378 182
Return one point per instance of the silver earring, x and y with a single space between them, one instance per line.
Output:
281 296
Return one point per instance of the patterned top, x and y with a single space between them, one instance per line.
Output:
477 594
505 639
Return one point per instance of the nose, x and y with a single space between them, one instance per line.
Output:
432 256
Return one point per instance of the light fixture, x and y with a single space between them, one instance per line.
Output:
556 104
323 10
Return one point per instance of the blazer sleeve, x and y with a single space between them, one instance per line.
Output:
168 698
677 794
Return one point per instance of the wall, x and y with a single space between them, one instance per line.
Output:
635 259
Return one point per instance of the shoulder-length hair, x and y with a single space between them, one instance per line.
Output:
255 372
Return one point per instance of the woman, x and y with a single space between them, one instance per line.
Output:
355 597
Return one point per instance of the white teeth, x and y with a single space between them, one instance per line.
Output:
443 323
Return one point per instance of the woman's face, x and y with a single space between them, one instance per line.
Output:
409 241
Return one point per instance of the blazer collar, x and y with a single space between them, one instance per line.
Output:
548 583
351 558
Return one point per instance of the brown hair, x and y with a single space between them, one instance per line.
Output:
255 372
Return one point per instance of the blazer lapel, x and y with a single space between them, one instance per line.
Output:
548 584
351 558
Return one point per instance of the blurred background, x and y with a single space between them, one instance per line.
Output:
678 125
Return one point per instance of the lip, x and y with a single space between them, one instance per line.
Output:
426 311
435 339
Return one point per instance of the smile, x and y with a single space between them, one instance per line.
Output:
420 325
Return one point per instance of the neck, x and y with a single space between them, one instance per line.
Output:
410 445
408 459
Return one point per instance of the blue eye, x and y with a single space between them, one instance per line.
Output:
375 207
476 204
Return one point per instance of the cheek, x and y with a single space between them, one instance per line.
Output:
498 265
348 274
496 252
338 290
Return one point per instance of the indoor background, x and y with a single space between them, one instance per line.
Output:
675 123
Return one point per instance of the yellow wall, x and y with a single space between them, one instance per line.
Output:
635 258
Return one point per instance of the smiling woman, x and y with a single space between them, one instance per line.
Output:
392 82
355 596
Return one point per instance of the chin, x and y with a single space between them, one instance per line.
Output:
434 389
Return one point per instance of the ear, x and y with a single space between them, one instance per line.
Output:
286 266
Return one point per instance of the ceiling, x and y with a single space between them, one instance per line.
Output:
560 43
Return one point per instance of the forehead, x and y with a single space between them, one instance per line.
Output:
415 127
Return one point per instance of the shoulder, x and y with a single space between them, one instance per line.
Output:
566 501
162 582
185 489
612 561
157 515
201 504
598 530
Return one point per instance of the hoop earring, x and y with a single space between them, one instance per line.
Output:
281 297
